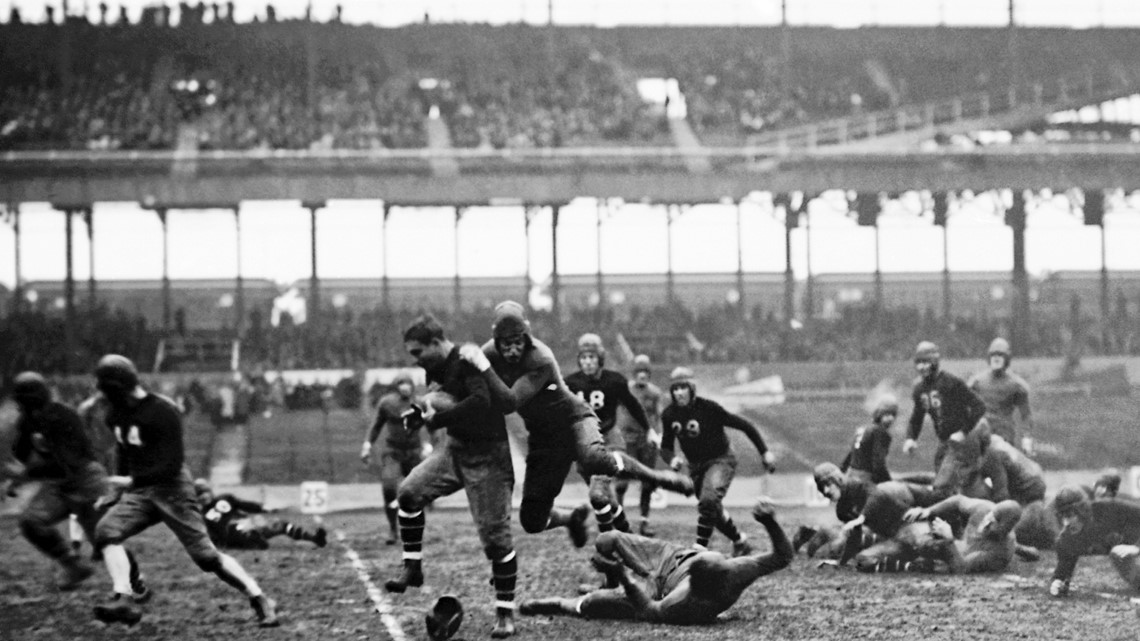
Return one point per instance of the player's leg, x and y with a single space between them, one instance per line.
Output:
178 509
595 458
391 475
648 455
717 479
641 554
546 470
1126 560
489 479
599 604
131 514
81 498
434 477
269 528
38 522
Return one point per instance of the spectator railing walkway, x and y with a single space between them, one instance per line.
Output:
1025 103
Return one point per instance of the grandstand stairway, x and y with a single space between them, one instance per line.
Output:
439 138
684 138
228 454
908 126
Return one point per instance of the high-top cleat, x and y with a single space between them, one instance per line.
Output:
140 591
577 525
803 535
75 571
266 610
411 577
504 626
541 606
646 530
118 609
321 537
741 547
674 482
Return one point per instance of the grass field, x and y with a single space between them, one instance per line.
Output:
321 597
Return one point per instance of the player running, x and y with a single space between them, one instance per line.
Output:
152 485
645 445
953 409
604 391
698 424
867 459
1002 391
675 585
400 449
236 523
562 429
474 457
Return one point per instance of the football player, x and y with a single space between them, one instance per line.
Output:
152 485
1097 527
562 429
988 543
674 584
235 523
1003 392
475 457
604 391
644 446
400 450
698 425
867 459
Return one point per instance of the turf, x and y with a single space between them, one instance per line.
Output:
322 598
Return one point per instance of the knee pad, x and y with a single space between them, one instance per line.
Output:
600 499
208 562
409 502
534 516
105 536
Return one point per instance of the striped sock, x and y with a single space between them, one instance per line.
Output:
605 518
621 524
504 573
727 527
704 530
412 534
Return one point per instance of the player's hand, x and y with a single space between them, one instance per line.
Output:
763 510
958 437
909 446
366 452
677 463
769 461
413 418
426 449
1027 445
473 354
605 564
1059 588
916 514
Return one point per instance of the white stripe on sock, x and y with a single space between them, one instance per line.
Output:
409 515
508 558
413 556
507 605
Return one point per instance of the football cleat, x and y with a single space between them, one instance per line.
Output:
118 610
577 525
646 530
75 572
411 577
321 537
266 610
504 626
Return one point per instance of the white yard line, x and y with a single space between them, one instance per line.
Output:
387 617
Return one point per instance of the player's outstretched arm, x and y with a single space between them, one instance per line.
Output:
737 422
782 552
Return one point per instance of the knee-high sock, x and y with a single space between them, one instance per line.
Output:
605 518
705 526
727 527
412 534
504 573
621 523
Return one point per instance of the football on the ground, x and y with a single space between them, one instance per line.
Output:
439 401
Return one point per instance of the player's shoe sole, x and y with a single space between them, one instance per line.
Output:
118 611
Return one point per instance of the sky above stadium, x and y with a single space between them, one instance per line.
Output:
842 13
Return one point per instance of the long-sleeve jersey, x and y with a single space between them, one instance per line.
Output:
1113 522
881 506
1002 393
976 551
225 509
474 418
389 422
699 428
1012 474
53 445
149 437
650 397
951 406
534 388
604 393
868 452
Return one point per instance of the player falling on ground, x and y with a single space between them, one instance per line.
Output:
698 425
1003 392
604 391
1103 526
56 452
645 446
151 486
400 449
523 376
988 543
236 523
867 459
674 584
475 457
953 409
